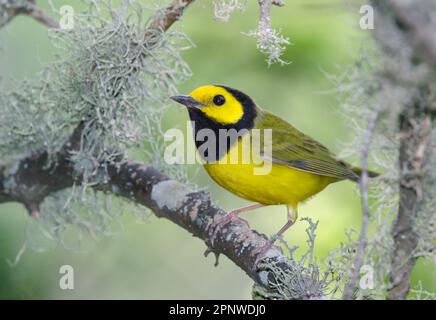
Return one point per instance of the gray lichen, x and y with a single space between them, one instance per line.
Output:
107 77
360 88
304 280
223 9
269 41
170 194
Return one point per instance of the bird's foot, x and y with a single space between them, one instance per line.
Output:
261 252
217 225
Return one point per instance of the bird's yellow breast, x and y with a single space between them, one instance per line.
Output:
281 185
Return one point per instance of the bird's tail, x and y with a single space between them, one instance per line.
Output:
358 172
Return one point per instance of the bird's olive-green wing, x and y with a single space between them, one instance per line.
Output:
295 149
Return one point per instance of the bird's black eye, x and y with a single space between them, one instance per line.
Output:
219 100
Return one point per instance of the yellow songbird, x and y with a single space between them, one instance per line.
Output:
299 166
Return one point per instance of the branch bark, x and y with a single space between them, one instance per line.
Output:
171 14
415 127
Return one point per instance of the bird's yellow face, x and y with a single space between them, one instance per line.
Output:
218 104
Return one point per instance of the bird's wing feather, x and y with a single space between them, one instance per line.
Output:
295 149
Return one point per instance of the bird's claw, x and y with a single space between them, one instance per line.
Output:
261 251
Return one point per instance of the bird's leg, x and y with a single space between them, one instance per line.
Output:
222 221
292 217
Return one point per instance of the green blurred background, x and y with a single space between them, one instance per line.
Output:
158 260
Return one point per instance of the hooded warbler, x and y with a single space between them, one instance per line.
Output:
300 167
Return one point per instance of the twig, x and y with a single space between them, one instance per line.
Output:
363 184
32 11
269 41
265 12
43 18
164 20
171 14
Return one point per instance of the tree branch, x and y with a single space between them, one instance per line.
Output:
31 10
194 212
43 18
30 181
168 16
415 126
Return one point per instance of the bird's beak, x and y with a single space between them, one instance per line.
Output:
187 101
